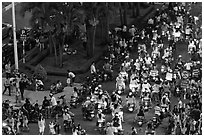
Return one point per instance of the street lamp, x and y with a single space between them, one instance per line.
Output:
14 37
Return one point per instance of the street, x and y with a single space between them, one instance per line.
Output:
167 57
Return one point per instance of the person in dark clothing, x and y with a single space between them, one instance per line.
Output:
45 106
22 85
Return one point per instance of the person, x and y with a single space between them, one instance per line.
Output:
22 86
108 69
117 124
132 31
25 122
130 98
110 129
41 124
51 127
149 130
11 122
157 112
141 112
67 118
134 131
7 85
39 85
100 118
120 82
93 69
72 76
45 103
53 100
46 106
59 87
8 69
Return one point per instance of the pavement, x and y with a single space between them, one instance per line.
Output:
39 95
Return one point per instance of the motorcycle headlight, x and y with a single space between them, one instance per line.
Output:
130 109
140 122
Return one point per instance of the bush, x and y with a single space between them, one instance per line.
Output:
40 73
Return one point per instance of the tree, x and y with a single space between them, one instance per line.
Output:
91 12
42 13
58 19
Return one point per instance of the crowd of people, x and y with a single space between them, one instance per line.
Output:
157 76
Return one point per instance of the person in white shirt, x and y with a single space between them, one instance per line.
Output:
188 65
71 76
145 86
132 31
53 100
148 60
93 68
41 124
191 47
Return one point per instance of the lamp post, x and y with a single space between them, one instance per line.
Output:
14 37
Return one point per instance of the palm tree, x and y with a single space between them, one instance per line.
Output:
42 13
107 13
91 12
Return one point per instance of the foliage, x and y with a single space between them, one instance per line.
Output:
40 73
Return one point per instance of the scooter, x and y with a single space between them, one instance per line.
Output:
101 128
146 105
73 102
131 107
155 122
67 125
140 121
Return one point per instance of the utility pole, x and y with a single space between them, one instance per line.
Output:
14 37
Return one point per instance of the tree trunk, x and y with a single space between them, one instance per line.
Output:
121 16
61 52
55 49
107 29
102 31
125 16
50 43
138 9
93 40
133 10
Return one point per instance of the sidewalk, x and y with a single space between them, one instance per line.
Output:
38 96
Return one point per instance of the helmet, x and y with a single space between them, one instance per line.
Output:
92 100
116 114
51 94
130 93
88 98
180 56
99 86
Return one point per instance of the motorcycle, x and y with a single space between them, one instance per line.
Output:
146 105
140 121
73 102
89 114
39 85
131 107
155 122
164 109
101 128
6 130
68 125
119 132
